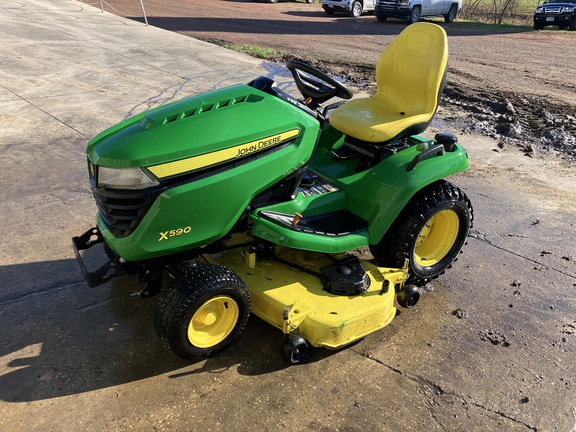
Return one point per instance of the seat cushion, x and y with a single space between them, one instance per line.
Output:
410 77
372 120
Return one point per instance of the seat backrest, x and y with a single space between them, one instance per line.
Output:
410 72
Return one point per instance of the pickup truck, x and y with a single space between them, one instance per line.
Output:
413 10
354 8
561 13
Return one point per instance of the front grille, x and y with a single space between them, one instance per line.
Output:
122 210
553 9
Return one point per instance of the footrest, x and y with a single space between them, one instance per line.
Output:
327 233
336 224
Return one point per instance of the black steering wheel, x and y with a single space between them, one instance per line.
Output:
315 84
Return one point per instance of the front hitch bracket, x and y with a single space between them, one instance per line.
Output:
105 272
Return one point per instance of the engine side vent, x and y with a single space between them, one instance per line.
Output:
153 119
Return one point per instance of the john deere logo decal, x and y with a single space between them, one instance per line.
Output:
220 156
261 145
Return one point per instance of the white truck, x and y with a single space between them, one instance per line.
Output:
354 8
413 10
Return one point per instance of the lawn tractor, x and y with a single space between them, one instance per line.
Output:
314 218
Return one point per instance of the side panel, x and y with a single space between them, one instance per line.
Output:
199 212
377 195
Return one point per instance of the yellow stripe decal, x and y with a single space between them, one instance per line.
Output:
197 162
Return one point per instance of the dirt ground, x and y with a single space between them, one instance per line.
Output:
516 87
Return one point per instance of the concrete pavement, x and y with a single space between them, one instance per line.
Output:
490 347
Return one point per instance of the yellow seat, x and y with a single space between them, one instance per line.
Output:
409 78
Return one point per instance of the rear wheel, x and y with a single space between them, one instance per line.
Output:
414 15
202 312
430 232
451 15
356 10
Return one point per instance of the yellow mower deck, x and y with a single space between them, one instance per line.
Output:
287 292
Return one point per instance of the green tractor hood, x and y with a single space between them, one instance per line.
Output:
206 158
195 126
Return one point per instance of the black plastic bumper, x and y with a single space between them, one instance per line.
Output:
392 12
553 19
335 8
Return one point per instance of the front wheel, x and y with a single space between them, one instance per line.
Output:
430 232
202 312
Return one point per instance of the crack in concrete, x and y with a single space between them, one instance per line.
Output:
44 111
50 290
437 390
7 300
171 93
482 238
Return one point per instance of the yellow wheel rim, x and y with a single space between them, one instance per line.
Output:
213 321
436 238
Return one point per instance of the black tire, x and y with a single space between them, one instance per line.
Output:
309 1
538 26
381 18
408 296
356 10
415 15
294 349
329 11
572 24
202 312
451 15
430 232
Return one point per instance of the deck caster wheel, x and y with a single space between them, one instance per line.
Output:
408 296
294 349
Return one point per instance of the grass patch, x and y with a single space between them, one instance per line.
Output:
502 12
489 27
254 51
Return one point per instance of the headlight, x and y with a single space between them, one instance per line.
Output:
539 9
124 178
568 9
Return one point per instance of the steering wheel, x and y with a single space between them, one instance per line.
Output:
315 84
